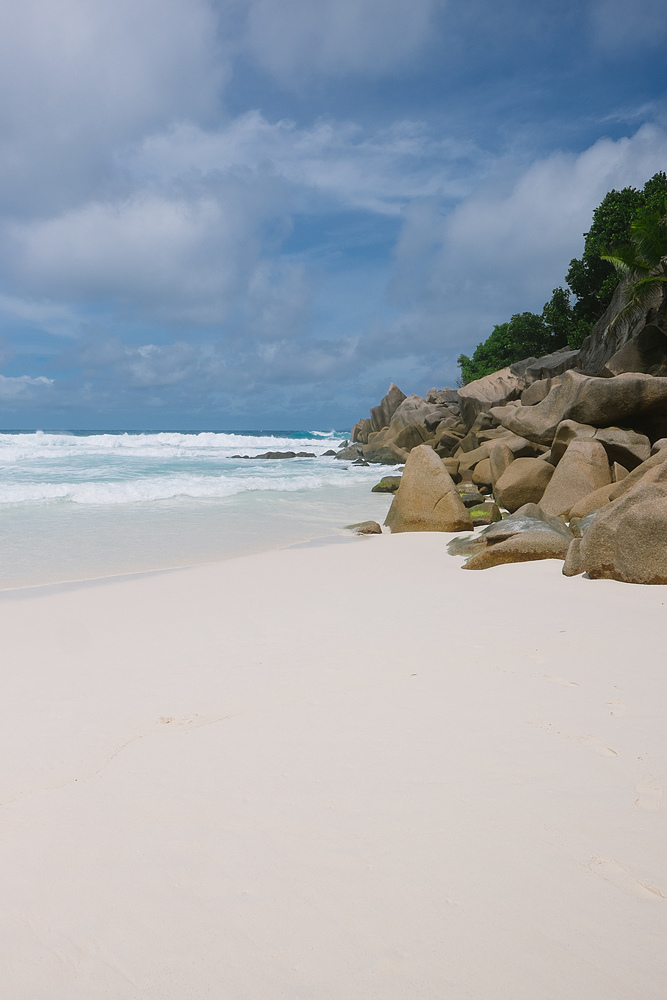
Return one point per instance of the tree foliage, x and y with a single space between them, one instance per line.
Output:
525 335
644 260
617 222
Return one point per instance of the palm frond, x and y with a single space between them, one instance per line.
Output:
625 261
642 291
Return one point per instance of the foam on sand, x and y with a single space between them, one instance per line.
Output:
336 772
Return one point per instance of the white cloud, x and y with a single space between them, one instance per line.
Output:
292 39
502 252
374 171
199 239
79 78
22 388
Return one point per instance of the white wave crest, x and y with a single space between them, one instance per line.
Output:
207 444
154 488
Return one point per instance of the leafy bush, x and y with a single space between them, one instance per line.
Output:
526 335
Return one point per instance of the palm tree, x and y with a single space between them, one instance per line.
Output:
643 262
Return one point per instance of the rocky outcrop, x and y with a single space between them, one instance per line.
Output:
427 499
380 415
629 400
484 393
548 367
573 446
612 331
646 352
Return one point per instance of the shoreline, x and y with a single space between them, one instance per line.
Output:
334 771
65 545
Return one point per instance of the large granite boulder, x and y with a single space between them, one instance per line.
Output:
583 468
484 393
520 448
536 392
448 439
482 473
522 482
384 454
612 331
446 397
407 437
624 446
646 352
630 400
549 366
426 499
406 430
361 430
439 415
350 452
627 540
527 535
413 410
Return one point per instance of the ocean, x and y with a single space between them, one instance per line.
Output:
82 505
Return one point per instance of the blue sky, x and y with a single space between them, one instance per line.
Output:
257 213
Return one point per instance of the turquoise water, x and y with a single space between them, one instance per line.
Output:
84 505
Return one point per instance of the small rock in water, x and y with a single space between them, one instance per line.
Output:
329 454
388 484
365 528
286 454
361 461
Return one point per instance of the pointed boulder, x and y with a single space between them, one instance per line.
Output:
426 500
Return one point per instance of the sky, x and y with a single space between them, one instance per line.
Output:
238 214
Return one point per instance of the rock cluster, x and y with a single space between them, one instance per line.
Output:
572 446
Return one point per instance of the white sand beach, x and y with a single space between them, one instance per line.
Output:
339 772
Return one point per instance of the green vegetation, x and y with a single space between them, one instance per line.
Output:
644 261
634 222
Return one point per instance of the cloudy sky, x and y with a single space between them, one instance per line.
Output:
256 213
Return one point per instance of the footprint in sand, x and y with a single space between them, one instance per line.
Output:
650 794
616 708
611 871
559 680
595 744
589 741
